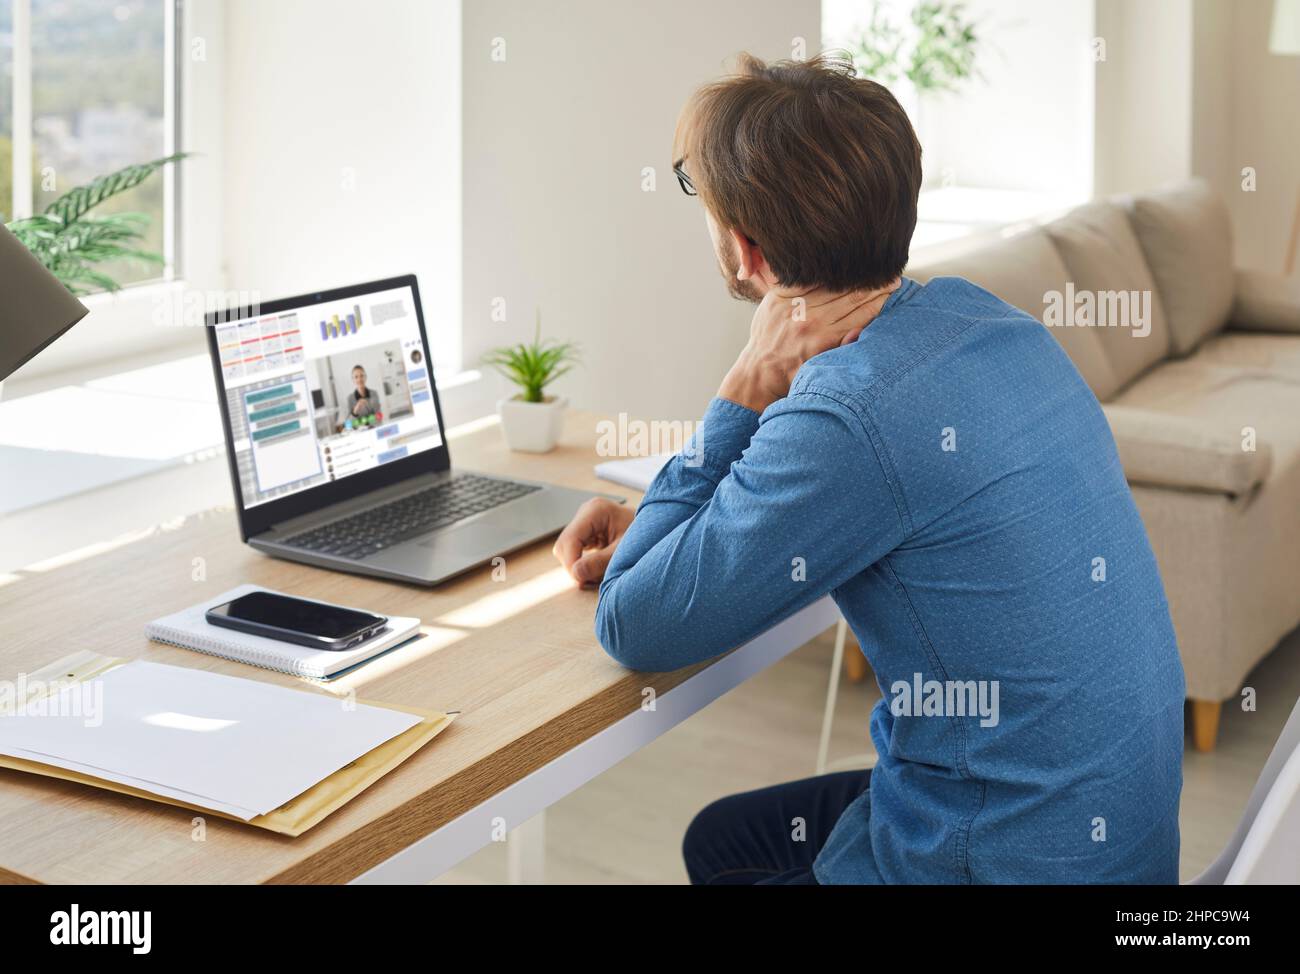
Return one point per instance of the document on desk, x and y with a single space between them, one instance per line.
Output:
153 788
637 472
239 746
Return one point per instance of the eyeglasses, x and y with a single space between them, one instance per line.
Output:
688 187
684 180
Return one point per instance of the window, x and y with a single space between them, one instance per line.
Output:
1010 143
6 110
95 80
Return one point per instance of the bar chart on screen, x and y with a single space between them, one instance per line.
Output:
336 327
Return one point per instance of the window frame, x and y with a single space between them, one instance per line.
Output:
123 331
123 326
23 135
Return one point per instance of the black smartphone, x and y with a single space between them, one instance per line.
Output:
299 621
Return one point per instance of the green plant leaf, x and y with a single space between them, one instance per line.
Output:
75 203
68 242
945 48
534 365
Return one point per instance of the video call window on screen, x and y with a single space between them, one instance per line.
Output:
325 391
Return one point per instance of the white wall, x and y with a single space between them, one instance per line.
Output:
1144 95
1212 83
1190 89
1265 135
1026 122
342 129
555 140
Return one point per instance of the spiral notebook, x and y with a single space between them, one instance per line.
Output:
190 630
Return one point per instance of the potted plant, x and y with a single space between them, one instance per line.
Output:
532 420
930 52
71 242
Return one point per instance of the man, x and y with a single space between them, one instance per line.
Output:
931 458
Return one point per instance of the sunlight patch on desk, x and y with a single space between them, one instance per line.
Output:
432 639
77 438
473 426
88 551
187 379
499 606
99 547
110 423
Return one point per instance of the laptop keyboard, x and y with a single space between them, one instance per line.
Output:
434 507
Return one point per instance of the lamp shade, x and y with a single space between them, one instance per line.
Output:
35 308
1284 38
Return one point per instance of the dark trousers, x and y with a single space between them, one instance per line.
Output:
770 836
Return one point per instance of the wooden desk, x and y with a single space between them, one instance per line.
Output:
543 708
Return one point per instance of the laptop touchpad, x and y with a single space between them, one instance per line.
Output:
475 539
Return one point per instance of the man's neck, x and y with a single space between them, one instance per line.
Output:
874 298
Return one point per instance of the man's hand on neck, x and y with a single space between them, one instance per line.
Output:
790 327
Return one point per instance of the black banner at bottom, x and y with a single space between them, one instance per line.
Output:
338 924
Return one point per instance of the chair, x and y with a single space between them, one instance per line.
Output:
1265 848
855 674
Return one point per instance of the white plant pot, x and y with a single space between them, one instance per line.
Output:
532 427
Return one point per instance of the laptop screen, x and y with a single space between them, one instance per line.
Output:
319 392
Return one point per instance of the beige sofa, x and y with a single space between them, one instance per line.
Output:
1205 407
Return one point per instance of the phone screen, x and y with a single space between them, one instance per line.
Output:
298 615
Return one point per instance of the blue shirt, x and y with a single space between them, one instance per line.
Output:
952 482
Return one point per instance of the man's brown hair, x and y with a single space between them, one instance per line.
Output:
818 167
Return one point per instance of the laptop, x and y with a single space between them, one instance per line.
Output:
335 438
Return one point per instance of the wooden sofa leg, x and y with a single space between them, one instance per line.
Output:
1205 724
855 664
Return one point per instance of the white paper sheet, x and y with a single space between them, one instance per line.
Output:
152 787
239 742
637 473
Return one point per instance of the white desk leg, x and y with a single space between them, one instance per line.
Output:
453 841
526 852
832 691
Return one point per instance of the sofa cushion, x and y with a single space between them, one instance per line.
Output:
1249 350
1020 270
1112 291
1265 302
1186 236
1226 399
1162 449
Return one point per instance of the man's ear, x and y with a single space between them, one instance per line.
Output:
751 263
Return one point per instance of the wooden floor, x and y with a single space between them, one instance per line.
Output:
626 826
